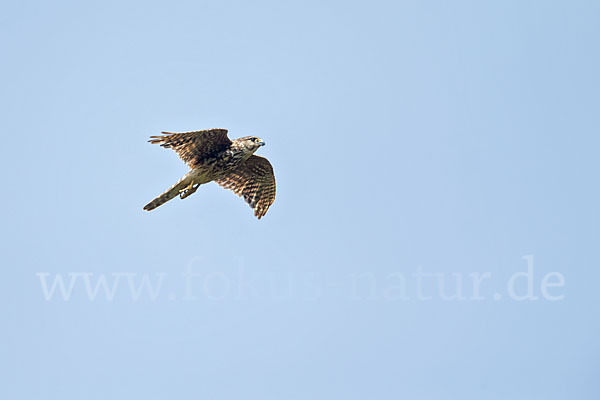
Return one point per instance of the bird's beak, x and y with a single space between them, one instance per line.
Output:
261 143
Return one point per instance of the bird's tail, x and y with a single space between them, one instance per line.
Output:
171 193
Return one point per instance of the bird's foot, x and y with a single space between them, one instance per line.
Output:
190 189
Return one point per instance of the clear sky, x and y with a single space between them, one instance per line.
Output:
435 233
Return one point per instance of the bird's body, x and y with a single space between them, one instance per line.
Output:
211 156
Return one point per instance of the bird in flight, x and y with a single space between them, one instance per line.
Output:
212 156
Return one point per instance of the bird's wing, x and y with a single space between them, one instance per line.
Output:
192 147
254 180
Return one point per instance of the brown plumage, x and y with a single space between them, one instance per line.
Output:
254 180
211 156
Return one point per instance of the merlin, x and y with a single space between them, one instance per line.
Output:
212 156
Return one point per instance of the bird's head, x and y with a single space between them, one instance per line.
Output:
251 143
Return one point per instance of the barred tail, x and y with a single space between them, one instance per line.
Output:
171 193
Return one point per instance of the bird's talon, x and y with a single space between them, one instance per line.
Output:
183 193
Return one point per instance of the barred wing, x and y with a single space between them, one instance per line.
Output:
254 180
193 147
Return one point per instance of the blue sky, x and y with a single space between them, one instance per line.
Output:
415 145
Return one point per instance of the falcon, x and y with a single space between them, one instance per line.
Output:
212 156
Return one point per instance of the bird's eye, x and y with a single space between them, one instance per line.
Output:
253 139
